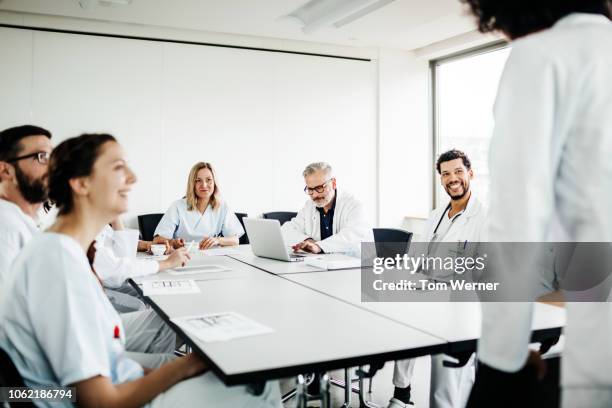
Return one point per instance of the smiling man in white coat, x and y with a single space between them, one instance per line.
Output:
330 221
551 180
462 220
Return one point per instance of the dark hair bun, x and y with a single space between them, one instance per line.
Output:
74 157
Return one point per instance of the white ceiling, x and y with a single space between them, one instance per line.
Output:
403 24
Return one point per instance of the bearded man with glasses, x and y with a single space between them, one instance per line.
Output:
24 154
329 222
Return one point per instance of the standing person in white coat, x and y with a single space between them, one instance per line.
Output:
462 220
550 181
329 221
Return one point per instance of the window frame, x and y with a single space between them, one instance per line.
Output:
434 103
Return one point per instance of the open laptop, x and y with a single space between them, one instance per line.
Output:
267 240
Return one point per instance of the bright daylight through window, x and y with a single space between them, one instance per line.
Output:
465 93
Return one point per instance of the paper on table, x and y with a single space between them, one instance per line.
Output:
193 269
334 261
169 287
220 251
155 257
221 326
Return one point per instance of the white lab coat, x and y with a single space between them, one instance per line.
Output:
469 226
450 387
350 226
115 260
550 181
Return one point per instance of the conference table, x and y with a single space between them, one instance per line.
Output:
317 318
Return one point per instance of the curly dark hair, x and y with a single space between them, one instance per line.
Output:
517 18
74 157
452 155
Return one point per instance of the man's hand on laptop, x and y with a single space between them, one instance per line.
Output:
308 245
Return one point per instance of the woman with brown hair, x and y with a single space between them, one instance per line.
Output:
58 326
200 216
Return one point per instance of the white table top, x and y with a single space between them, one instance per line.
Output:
456 322
274 266
235 270
316 316
312 331
215 251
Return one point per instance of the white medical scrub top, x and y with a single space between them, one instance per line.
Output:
16 230
57 324
115 260
192 225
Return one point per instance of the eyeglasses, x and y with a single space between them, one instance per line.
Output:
318 189
41 157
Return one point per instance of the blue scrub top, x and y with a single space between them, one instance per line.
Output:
192 225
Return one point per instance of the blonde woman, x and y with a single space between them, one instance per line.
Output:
200 216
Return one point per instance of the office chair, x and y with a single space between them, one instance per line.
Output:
390 242
245 238
281 216
147 224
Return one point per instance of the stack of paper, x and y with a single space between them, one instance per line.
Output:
194 269
221 326
169 287
220 251
333 261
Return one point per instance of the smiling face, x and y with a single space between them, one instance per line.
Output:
204 185
455 178
110 181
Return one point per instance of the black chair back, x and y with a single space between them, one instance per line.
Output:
281 216
10 377
147 224
245 238
390 242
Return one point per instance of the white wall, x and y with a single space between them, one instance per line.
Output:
260 117
404 137
396 109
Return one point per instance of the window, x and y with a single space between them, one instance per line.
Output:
464 93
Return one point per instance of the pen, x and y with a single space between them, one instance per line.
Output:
190 246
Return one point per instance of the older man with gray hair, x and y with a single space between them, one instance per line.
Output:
329 221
